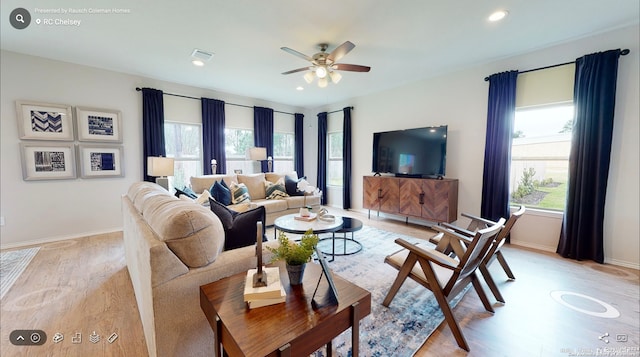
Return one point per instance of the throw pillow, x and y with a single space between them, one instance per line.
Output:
291 186
221 192
275 191
239 193
187 192
240 229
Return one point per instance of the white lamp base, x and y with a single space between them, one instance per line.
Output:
163 181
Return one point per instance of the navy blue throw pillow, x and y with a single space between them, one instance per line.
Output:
240 229
187 192
291 186
221 192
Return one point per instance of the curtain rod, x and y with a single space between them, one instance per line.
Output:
339 110
622 53
237 105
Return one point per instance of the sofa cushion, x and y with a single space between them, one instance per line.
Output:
239 193
221 192
275 191
240 229
291 186
255 184
191 231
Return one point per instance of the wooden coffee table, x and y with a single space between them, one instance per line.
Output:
292 328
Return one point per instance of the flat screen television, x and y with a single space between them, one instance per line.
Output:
419 152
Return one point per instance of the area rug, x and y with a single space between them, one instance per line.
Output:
412 316
12 264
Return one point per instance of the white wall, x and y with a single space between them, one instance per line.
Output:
39 211
459 100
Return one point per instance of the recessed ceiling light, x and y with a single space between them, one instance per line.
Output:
299 88
498 15
197 62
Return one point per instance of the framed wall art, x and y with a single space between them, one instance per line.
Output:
98 161
44 121
100 125
48 161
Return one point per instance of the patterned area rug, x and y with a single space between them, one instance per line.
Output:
412 316
12 264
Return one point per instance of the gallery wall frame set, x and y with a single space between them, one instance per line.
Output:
61 161
47 121
50 154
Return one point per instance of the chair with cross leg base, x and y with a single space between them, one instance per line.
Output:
445 276
493 253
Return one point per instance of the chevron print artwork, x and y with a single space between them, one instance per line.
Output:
46 122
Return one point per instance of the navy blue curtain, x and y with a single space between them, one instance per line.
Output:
594 96
322 155
497 152
298 156
213 122
346 158
263 131
152 127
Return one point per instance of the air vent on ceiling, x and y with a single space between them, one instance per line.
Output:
202 55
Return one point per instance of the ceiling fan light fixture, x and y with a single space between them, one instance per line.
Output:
335 77
323 82
309 76
321 71
498 15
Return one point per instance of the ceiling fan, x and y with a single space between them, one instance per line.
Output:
325 64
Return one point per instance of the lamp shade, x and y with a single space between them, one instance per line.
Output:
159 166
257 154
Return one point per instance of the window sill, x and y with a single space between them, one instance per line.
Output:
540 212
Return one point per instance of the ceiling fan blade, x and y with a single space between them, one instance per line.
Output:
296 70
340 51
351 67
296 53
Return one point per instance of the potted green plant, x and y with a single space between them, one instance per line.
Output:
295 255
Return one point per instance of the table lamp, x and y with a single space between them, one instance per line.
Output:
160 168
257 154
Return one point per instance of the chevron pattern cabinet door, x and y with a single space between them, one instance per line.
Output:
390 200
370 192
441 200
410 191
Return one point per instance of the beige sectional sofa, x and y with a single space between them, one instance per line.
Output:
256 185
173 247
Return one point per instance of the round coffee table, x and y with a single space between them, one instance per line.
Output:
349 225
289 224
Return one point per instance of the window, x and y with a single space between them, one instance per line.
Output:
334 166
540 156
283 151
237 141
183 142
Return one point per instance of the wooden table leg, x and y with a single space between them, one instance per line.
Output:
218 335
355 329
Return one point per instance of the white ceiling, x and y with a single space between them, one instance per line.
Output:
403 41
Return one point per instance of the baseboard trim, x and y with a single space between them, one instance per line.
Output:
545 248
56 239
622 263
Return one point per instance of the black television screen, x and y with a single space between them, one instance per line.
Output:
419 152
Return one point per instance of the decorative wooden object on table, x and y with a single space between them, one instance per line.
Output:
300 329
260 277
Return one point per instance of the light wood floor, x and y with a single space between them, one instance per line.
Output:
82 285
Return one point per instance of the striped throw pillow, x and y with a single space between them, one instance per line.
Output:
275 191
239 193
